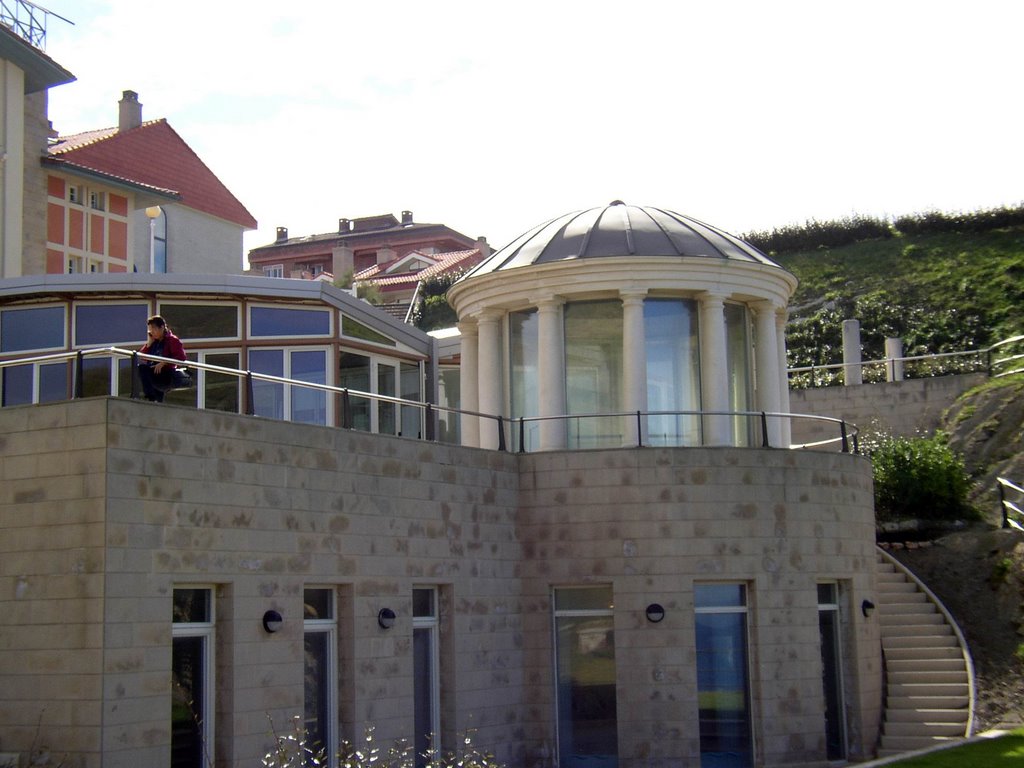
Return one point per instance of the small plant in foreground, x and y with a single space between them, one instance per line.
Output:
292 750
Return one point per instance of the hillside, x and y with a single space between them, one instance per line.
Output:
938 292
942 292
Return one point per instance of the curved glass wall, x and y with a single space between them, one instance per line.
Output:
523 334
737 356
673 371
593 372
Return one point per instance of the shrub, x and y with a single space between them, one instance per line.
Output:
919 477
293 750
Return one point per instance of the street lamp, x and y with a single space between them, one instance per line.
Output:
153 212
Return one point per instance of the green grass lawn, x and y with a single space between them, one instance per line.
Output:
1001 752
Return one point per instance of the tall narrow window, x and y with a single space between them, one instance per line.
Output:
192 679
593 372
723 687
320 646
523 335
585 677
426 680
737 329
832 670
673 371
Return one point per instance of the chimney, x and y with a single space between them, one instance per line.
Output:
282 234
406 218
129 112
386 254
483 246
344 225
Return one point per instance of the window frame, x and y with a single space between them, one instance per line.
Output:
556 614
135 342
320 309
432 625
239 322
745 611
836 608
206 631
287 402
45 305
328 626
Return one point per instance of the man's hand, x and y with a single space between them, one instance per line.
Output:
158 367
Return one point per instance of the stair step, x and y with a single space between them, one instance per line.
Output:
926 715
900 587
941 637
945 652
924 688
917 663
894 745
955 701
925 729
911 618
905 600
936 677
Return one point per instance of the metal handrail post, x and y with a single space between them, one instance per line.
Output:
428 418
522 435
846 442
135 376
250 397
764 430
79 389
346 410
639 432
501 434
1002 504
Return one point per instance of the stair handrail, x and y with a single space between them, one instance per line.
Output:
1007 506
964 649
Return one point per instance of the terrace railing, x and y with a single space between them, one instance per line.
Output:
750 422
1000 359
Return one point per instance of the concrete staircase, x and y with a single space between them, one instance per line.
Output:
929 680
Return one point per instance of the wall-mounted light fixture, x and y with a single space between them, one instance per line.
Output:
386 618
867 608
655 613
272 621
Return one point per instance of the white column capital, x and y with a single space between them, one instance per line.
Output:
550 301
708 299
632 295
765 306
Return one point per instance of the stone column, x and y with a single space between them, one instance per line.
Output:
634 364
489 375
767 358
551 372
714 377
781 317
468 384
852 373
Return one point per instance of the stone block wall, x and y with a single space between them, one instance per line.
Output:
652 523
52 564
107 505
905 408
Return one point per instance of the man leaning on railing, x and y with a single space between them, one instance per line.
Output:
159 378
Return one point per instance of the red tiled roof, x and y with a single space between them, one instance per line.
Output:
443 262
154 155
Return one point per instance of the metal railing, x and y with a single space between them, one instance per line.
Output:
1013 515
985 360
845 434
27 20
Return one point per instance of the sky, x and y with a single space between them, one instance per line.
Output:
494 117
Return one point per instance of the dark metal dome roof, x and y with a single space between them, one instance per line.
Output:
619 230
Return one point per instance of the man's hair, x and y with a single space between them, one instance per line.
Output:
157 321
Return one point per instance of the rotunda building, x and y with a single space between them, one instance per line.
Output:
624 325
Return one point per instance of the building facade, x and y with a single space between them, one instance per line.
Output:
634 583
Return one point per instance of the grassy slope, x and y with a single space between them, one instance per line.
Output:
938 293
